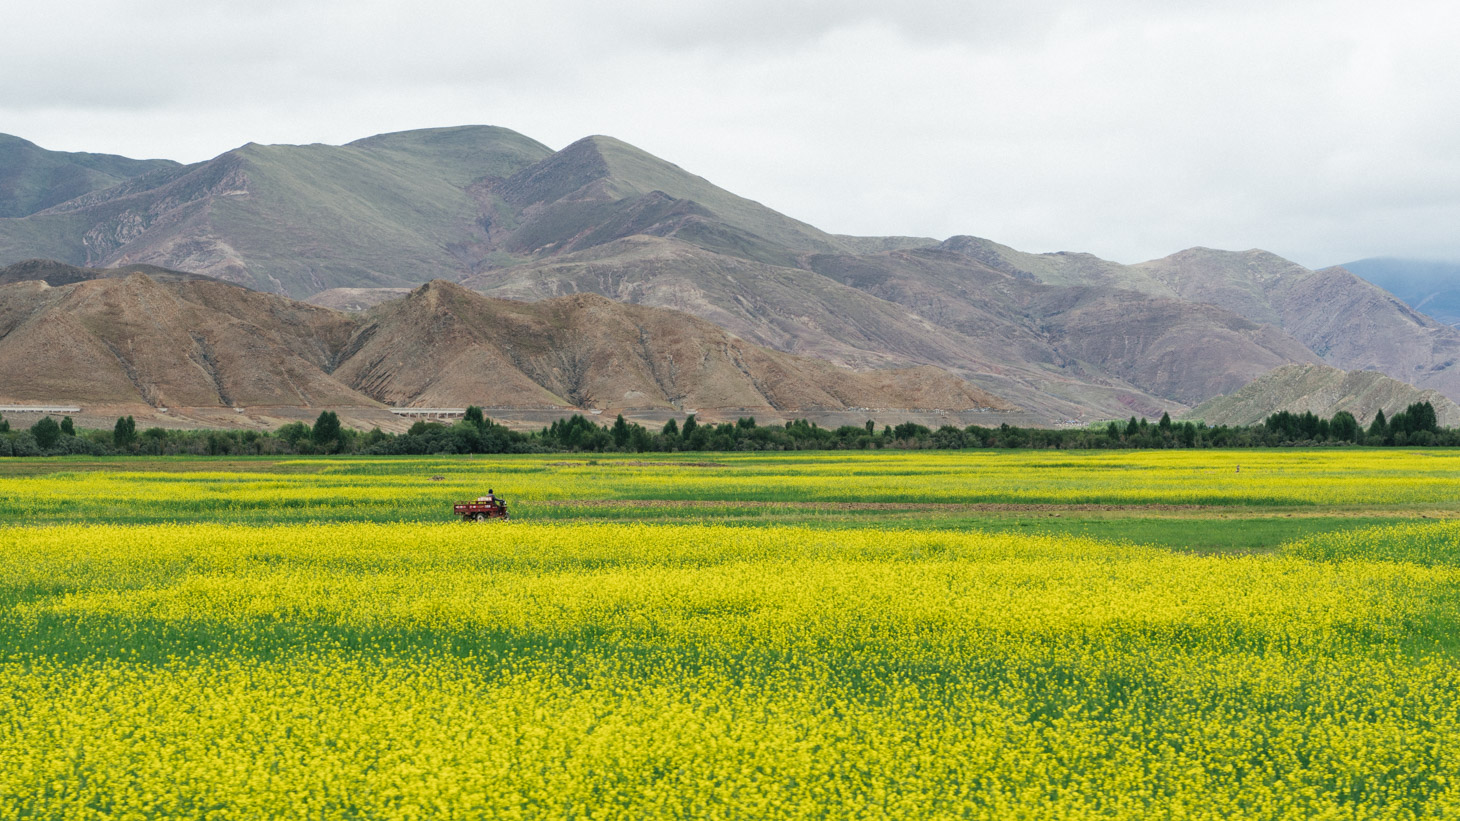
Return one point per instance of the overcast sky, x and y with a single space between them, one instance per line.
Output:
1323 131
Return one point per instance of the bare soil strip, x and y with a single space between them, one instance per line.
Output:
614 463
1221 511
938 506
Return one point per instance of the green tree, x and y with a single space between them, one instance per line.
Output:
620 431
910 431
327 434
689 427
1379 428
46 432
640 439
1422 417
475 416
1165 423
871 427
1344 427
4 425
294 433
153 440
1401 423
124 433
422 427
671 428
67 426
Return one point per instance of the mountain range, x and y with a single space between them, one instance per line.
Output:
1064 336
138 339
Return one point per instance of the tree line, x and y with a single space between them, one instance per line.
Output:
1416 426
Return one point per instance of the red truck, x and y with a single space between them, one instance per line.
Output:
482 509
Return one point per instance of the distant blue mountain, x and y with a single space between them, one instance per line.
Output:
1429 286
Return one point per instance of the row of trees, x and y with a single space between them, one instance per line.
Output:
1417 425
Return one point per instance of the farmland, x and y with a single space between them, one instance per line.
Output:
981 634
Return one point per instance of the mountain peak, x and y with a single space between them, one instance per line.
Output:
438 289
470 133
1249 256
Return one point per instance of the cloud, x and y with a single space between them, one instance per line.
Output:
1323 131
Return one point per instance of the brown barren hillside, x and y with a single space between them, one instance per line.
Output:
135 340
199 344
444 342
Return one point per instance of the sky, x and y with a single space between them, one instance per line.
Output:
1322 131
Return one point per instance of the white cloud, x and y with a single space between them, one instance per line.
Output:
1323 131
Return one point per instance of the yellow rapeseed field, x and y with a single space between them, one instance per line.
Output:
384 489
222 666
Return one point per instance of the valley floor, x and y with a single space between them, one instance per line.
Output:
982 634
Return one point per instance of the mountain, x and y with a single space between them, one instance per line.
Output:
1350 323
55 273
1172 349
196 343
1063 336
183 343
396 210
443 344
600 189
33 179
1323 391
1430 286
809 313
388 211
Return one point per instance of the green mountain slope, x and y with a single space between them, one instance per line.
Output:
397 209
33 179
391 210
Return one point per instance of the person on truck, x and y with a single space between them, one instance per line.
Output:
490 497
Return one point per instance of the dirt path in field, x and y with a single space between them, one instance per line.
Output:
1211 511
615 463
950 507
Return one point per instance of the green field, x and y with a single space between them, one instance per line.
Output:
977 634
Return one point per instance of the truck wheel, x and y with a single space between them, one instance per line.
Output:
481 517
